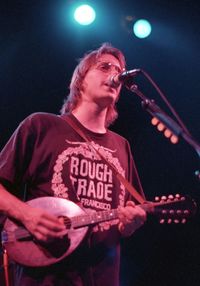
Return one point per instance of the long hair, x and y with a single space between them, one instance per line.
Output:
88 60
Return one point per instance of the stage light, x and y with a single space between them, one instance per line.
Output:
142 28
84 15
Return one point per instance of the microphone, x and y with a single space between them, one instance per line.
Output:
119 78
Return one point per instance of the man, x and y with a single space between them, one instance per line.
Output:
51 159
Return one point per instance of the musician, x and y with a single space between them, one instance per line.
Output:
49 158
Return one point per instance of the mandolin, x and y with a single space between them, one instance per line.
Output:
24 249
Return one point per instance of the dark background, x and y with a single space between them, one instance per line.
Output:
39 47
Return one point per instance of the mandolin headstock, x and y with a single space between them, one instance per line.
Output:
175 209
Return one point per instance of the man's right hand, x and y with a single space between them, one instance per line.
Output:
42 225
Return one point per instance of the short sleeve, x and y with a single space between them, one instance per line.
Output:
16 155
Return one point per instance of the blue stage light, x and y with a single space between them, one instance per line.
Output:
84 15
142 28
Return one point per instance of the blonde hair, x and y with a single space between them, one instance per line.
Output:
88 60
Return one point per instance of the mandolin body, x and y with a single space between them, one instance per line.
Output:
28 251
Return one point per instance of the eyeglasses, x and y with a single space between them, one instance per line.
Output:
107 67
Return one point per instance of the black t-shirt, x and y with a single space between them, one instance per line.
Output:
51 159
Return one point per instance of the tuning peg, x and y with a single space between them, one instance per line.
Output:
171 212
163 198
157 199
176 221
186 212
169 221
177 196
162 221
164 212
171 197
183 221
179 212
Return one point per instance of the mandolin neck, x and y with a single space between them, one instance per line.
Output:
102 216
93 218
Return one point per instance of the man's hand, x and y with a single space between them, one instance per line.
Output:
42 225
131 218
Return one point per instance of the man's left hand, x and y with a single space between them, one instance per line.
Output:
131 217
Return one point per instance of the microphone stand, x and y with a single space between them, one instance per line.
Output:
173 127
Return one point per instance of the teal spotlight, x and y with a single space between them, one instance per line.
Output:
142 28
84 15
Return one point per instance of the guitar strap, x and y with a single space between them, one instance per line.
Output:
138 197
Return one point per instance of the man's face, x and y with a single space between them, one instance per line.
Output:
96 84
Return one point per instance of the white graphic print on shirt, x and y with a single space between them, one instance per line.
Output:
92 178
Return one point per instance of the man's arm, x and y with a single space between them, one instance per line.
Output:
39 223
